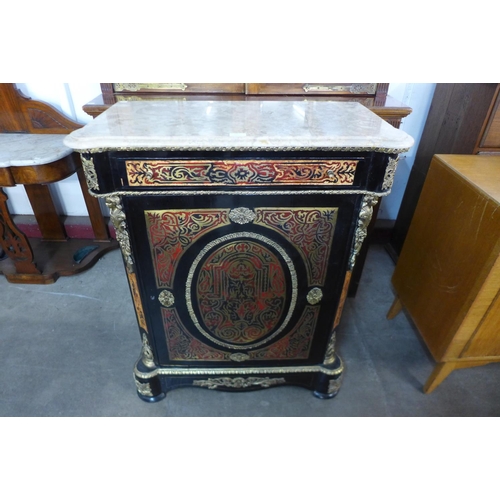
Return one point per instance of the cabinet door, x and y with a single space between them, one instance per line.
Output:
234 278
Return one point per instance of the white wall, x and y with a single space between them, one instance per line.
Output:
417 96
69 98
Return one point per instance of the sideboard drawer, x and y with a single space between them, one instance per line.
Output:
183 88
231 171
312 88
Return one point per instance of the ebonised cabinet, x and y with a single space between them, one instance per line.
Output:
239 223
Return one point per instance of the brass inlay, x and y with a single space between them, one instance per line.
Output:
340 172
349 149
177 230
355 88
162 192
314 296
166 298
238 383
229 237
183 346
242 215
119 221
135 87
90 173
365 216
309 230
177 371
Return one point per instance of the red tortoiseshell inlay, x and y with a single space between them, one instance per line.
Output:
241 292
183 346
310 230
240 172
170 232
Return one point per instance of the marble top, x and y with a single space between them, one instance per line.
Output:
239 125
20 150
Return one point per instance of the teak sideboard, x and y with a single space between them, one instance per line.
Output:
448 274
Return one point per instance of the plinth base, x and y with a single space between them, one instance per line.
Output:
154 383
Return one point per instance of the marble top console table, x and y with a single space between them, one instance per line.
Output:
32 153
239 224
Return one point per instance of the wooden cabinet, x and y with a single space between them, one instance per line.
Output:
448 274
464 118
32 154
239 233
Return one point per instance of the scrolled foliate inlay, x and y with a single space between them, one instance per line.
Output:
242 215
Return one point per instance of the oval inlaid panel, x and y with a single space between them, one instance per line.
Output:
240 293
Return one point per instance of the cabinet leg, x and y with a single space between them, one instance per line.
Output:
395 309
149 390
327 385
440 372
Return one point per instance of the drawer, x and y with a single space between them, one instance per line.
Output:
312 88
180 88
234 171
185 173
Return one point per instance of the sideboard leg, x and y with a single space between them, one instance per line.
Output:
149 390
395 309
440 372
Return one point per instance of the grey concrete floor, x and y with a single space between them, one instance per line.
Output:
68 349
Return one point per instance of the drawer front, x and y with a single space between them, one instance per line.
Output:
312 88
180 88
186 173
213 171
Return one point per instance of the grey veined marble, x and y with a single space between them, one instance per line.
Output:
245 125
20 150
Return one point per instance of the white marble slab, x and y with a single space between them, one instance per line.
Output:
239 125
20 150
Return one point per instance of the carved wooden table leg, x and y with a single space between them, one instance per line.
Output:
14 242
44 209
